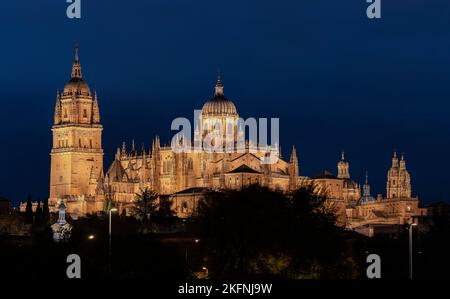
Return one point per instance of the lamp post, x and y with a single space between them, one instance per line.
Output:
110 211
411 225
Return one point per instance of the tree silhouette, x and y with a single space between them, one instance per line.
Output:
45 213
29 211
123 215
146 204
260 233
165 214
38 215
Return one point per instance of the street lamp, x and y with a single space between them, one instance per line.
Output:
206 272
411 225
110 211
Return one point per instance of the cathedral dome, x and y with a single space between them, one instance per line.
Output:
219 105
77 86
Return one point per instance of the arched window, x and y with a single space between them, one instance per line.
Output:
79 142
90 143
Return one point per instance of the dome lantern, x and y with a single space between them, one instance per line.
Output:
219 105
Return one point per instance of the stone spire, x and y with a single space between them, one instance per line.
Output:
395 160
117 156
133 149
294 161
366 187
402 162
76 66
95 110
142 177
124 149
293 170
58 109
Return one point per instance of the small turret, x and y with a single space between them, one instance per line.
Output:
95 110
343 167
124 149
402 162
58 109
395 160
294 162
117 156
293 170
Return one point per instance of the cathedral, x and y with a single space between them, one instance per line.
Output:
77 173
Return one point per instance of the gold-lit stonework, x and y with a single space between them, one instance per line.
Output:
77 167
77 154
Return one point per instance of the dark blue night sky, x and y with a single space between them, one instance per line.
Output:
336 79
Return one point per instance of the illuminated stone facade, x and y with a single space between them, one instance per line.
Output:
77 154
77 166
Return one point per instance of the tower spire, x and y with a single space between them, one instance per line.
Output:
366 187
293 169
95 110
57 115
395 160
218 89
124 149
76 53
402 162
76 66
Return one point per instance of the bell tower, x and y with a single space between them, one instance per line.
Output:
77 152
343 168
398 180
